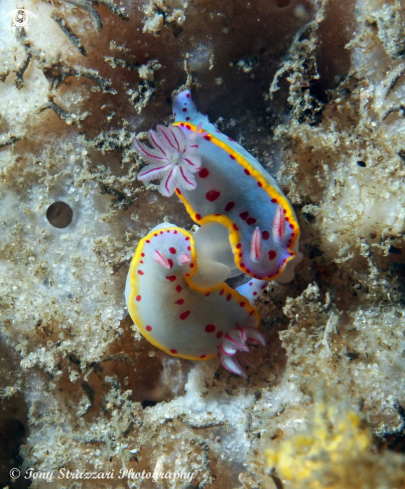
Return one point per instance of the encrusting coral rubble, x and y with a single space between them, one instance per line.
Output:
319 102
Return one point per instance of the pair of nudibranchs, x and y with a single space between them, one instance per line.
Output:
176 291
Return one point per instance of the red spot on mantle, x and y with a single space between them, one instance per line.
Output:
198 217
265 235
272 254
210 328
229 206
172 278
184 315
173 350
212 195
148 328
247 172
138 298
172 250
178 288
203 173
244 215
140 272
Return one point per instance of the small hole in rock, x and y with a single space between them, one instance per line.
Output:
146 404
362 164
283 3
59 214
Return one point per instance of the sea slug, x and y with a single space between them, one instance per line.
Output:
179 317
220 182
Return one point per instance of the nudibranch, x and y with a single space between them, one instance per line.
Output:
220 182
179 317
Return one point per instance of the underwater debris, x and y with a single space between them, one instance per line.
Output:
87 5
119 11
300 70
334 452
19 73
70 119
391 30
62 23
157 14
141 96
56 72
10 140
331 327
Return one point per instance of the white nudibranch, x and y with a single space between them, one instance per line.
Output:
180 317
220 182
175 290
